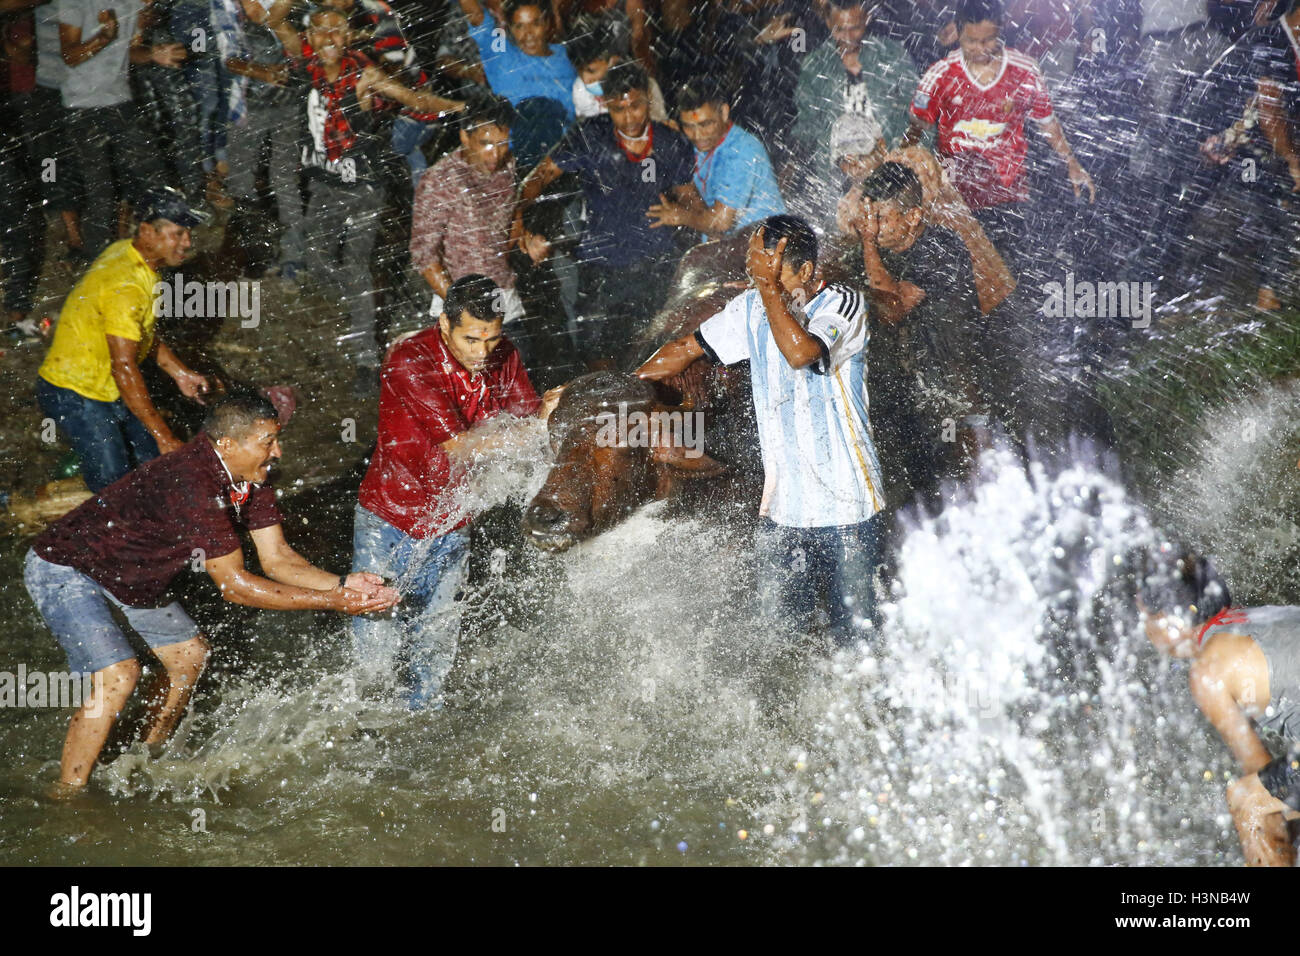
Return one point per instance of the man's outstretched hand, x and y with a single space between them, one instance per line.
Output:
365 593
549 401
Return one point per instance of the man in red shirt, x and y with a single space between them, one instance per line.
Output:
436 386
979 97
124 547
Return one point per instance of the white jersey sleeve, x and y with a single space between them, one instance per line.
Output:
725 336
838 317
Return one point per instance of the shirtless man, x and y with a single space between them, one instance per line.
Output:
1245 677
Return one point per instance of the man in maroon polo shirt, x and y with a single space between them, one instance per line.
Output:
436 386
124 547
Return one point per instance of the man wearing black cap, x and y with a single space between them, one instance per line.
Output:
90 382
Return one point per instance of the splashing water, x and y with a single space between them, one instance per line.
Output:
1012 713
1235 493
1009 712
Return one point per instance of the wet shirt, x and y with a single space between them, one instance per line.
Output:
136 535
982 128
820 466
620 190
114 297
338 140
1222 102
738 174
1276 630
425 398
1165 16
514 74
383 40
935 335
103 79
50 68
826 90
462 218
263 47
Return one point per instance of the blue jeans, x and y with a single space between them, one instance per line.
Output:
408 136
421 638
104 435
795 565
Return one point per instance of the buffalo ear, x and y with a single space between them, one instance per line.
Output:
678 459
675 460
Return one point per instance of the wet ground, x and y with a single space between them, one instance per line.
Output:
618 704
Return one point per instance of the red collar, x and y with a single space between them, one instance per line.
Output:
649 144
1229 615
725 134
708 156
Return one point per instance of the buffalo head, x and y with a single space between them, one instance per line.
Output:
617 446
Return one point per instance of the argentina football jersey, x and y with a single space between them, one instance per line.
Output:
819 459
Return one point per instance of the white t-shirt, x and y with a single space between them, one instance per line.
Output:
820 467
1159 16
103 80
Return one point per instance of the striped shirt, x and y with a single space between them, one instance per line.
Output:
819 459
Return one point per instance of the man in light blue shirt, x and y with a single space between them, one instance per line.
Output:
519 62
805 341
733 173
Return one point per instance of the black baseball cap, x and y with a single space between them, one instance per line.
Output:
163 202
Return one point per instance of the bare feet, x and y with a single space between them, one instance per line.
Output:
63 792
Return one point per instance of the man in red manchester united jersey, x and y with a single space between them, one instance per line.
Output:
435 388
979 98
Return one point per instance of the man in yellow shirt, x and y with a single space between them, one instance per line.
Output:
90 381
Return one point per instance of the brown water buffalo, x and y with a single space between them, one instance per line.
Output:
595 483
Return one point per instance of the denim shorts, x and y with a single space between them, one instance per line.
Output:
77 610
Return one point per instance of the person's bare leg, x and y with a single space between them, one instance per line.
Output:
90 725
184 663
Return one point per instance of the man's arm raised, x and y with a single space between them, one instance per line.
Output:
477 440
543 174
76 52
375 81
671 358
799 346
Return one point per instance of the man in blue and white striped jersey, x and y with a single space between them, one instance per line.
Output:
805 340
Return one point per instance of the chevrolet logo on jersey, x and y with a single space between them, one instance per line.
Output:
980 130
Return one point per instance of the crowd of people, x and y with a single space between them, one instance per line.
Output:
891 172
